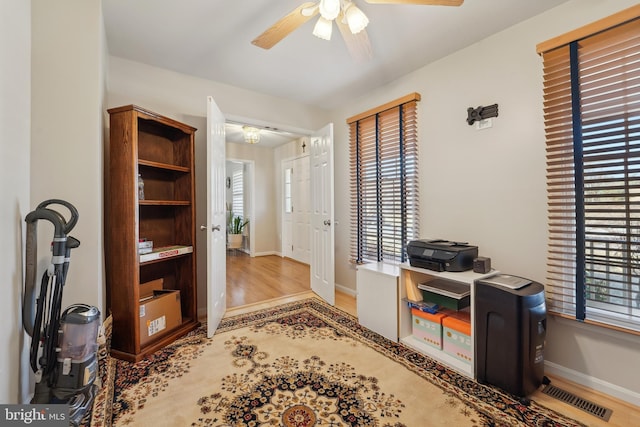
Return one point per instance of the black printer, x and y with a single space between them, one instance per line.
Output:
441 255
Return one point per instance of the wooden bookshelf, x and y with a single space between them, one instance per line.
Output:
161 151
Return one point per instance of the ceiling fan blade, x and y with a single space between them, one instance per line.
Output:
286 25
358 44
424 2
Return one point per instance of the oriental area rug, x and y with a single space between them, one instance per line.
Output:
299 364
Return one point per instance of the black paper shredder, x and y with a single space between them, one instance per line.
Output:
510 331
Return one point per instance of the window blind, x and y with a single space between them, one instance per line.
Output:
237 193
384 181
592 125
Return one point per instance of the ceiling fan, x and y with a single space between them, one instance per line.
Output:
350 20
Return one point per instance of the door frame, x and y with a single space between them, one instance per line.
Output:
251 167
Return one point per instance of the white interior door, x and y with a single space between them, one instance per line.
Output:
216 218
287 208
301 209
322 221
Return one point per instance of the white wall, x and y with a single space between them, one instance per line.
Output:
15 106
487 187
168 92
183 98
68 63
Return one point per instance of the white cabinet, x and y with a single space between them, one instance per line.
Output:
382 305
377 299
412 276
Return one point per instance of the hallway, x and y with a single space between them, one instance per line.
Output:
259 279
252 280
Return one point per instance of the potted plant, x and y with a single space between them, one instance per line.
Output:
235 226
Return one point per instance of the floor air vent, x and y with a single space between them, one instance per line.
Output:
578 402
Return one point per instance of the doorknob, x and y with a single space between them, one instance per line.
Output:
214 228
327 222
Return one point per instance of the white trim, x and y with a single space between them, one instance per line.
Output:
610 389
276 127
346 290
267 253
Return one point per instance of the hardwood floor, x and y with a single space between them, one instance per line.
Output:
253 283
251 280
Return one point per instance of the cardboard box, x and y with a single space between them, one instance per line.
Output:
427 327
456 335
159 314
147 288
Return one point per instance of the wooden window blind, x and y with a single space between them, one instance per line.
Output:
592 126
384 180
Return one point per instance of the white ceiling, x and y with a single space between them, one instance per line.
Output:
211 39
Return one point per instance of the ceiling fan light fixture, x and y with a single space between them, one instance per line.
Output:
329 9
251 134
323 28
356 19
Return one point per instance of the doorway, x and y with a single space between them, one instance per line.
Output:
263 199
240 202
252 280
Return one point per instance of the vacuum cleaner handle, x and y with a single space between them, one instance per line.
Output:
60 252
52 216
73 220
29 299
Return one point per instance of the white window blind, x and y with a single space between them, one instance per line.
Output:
384 181
592 120
237 193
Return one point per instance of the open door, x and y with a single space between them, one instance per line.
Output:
216 218
322 221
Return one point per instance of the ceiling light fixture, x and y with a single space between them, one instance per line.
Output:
330 10
323 28
356 19
251 134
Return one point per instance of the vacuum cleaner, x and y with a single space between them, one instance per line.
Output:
64 345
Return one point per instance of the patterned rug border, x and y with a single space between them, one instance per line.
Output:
502 408
445 378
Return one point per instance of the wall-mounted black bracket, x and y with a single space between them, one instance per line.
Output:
481 113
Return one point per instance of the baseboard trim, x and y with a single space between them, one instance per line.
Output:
593 383
267 253
346 290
